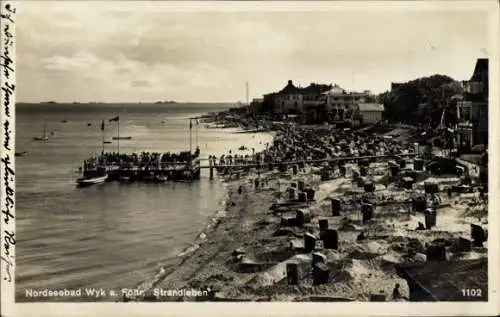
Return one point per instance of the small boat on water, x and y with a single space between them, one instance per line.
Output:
93 176
64 121
44 137
20 153
88 181
107 142
122 138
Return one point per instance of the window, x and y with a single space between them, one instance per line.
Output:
473 87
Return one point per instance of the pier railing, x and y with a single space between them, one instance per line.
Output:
158 166
248 164
253 163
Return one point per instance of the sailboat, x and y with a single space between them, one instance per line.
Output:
44 137
95 175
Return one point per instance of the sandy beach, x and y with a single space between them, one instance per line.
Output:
271 224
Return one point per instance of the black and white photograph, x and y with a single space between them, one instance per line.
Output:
248 151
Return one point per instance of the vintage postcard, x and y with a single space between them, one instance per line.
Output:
249 158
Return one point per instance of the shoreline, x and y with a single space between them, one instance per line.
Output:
206 235
210 227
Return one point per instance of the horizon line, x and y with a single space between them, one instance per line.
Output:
122 102
378 92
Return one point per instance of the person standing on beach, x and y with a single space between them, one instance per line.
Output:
396 294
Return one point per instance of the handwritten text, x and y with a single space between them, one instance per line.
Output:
7 65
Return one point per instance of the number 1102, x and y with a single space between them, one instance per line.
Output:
471 292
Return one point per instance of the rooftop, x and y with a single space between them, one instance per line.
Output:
480 70
290 88
314 88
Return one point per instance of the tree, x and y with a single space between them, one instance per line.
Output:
422 101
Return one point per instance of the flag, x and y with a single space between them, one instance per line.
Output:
102 125
117 118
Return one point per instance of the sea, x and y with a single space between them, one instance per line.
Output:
112 235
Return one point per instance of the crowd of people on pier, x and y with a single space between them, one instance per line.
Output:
235 159
292 143
151 159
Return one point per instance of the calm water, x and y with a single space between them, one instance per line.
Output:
111 235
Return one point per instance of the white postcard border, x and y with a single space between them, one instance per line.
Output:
9 308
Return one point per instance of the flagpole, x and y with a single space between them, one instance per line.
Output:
190 135
102 128
118 141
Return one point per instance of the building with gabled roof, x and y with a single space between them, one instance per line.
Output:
290 89
314 102
289 99
472 110
321 101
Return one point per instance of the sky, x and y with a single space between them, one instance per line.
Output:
117 51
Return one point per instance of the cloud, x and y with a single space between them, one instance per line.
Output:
74 51
78 62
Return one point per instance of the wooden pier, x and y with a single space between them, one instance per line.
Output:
253 164
189 171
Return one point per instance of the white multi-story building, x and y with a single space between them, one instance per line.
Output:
338 97
318 99
342 104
